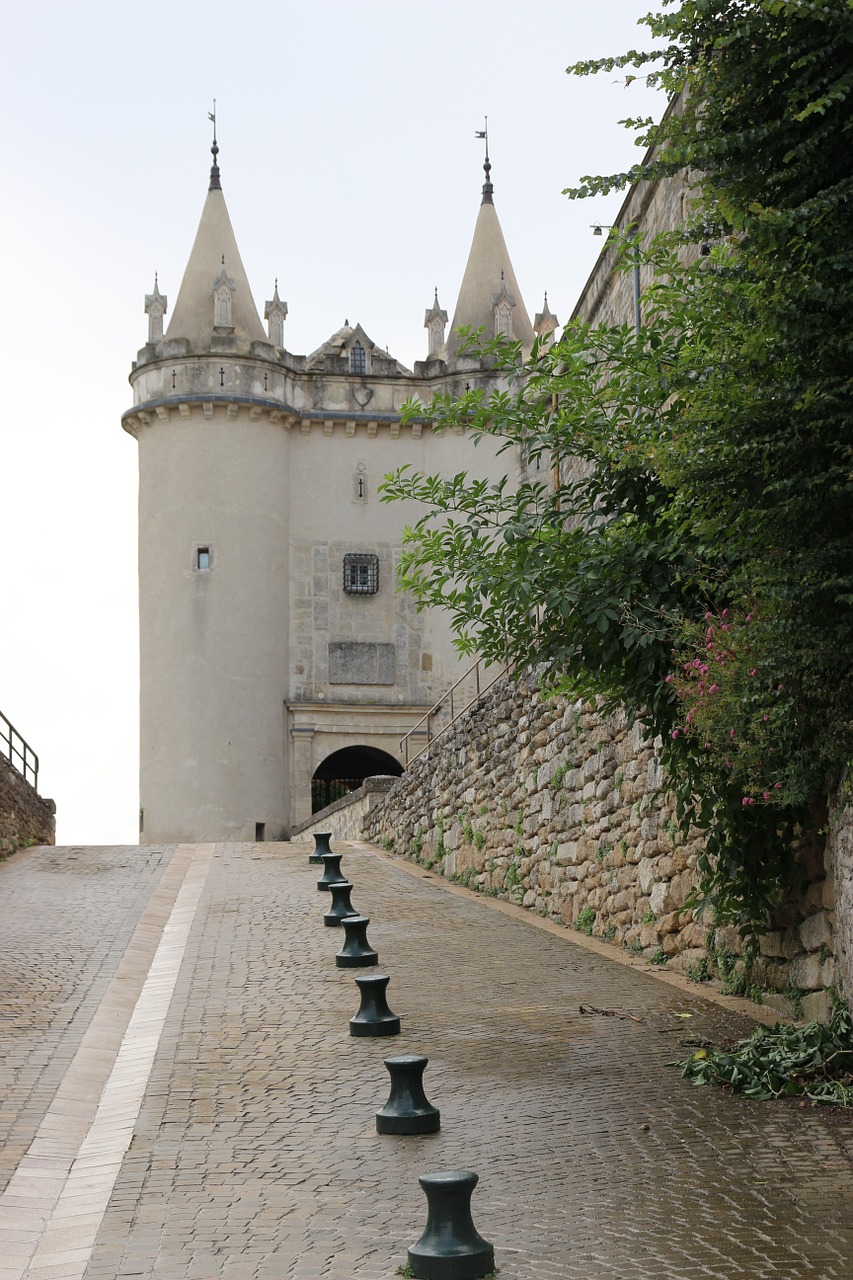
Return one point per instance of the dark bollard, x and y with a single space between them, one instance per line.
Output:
341 905
332 873
450 1248
407 1109
356 953
374 1018
321 846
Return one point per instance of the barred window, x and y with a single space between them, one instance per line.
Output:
361 574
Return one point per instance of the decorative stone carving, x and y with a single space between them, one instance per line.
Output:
275 314
435 322
156 305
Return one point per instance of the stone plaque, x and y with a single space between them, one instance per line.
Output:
355 662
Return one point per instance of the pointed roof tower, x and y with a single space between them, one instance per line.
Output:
215 262
489 296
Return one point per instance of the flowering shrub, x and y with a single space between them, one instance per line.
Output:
735 713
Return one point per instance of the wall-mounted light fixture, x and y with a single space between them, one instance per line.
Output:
598 228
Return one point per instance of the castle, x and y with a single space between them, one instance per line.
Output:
275 650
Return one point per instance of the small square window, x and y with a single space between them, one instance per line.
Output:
202 557
361 574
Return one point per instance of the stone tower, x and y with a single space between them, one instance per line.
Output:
275 652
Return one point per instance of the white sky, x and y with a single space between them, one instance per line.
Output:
351 172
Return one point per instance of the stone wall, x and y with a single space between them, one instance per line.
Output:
840 862
346 818
25 818
553 806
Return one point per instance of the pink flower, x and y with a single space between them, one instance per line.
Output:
754 671
731 733
778 786
704 669
749 617
766 718
724 614
674 734
765 795
668 680
713 688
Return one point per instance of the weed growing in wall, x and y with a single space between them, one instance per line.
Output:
585 921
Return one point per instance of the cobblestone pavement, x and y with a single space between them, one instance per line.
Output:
254 1155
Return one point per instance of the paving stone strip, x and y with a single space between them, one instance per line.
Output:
52 1207
255 1154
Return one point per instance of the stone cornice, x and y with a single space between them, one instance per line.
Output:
278 413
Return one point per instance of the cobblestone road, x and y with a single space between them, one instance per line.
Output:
254 1154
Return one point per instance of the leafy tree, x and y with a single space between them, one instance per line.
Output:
694 562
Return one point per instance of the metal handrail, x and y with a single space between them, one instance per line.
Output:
19 752
417 732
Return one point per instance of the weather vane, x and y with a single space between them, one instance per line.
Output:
487 167
484 134
214 151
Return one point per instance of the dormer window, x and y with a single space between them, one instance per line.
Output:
503 304
223 292
357 359
222 307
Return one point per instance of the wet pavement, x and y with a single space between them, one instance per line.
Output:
181 1097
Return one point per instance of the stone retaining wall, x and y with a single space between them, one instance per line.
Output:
347 817
25 818
553 806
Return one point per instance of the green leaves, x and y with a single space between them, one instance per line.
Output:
703 465
815 1061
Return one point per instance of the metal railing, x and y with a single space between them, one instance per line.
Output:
18 752
325 791
467 690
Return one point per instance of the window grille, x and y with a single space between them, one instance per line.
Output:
361 574
357 359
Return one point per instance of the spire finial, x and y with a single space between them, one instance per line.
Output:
214 151
487 167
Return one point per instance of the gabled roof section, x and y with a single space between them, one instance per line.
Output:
214 251
339 347
488 273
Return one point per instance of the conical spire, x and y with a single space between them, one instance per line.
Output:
489 296
215 261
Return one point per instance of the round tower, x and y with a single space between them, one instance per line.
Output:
210 417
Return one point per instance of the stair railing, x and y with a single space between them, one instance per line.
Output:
19 752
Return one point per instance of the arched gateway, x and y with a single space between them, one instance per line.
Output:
344 771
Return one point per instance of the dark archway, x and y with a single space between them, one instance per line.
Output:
344 771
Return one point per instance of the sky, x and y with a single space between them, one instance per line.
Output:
352 175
